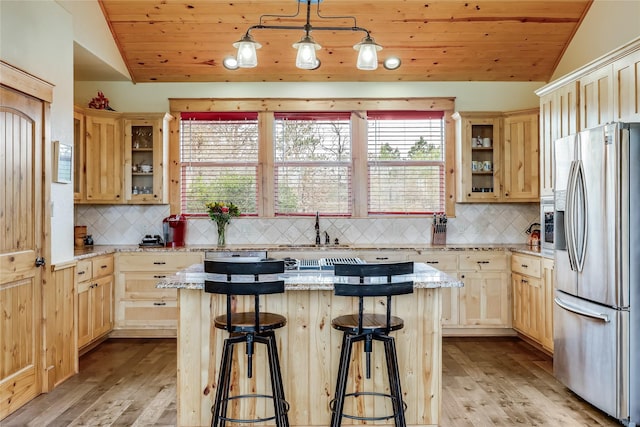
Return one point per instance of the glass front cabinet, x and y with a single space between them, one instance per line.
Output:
146 140
478 156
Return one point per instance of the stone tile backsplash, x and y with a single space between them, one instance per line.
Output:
473 224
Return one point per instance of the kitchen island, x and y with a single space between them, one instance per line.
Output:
309 350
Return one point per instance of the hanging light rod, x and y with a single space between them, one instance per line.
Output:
306 58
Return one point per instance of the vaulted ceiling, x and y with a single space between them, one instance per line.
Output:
436 40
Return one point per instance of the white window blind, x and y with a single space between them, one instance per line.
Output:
406 164
312 160
219 160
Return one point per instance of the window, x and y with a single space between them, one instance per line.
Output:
219 160
406 162
312 162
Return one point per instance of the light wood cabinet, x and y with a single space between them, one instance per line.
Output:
546 337
478 163
521 158
497 156
596 98
548 132
626 77
146 143
94 298
447 263
79 180
103 150
485 297
142 310
527 295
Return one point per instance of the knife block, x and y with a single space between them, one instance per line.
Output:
439 234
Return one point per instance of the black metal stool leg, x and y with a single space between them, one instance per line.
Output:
341 383
394 380
222 393
279 403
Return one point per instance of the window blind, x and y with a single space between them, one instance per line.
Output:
312 162
219 160
406 165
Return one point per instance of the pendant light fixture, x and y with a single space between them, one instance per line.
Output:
306 57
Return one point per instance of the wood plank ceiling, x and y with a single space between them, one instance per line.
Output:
437 40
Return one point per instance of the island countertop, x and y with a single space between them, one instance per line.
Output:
424 276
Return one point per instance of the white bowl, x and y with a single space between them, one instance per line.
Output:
145 168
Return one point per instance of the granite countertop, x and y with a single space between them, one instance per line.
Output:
97 250
424 276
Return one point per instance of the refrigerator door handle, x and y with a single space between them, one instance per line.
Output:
581 311
569 217
581 204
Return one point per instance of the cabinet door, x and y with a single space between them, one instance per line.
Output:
567 111
478 151
447 263
521 157
102 305
78 156
145 170
84 313
103 159
547 135
626 74
596 98
527 306
546 336
484 299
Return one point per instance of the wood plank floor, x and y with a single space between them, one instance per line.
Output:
487 382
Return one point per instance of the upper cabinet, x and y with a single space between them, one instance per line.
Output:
103 157
521 158
146 143
497 156
603 91
120 158
626 77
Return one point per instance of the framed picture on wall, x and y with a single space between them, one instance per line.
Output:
62 162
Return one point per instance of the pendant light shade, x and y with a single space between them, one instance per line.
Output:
367 54
247 56
306 57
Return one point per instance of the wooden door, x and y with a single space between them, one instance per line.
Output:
101 305
596 98
21 242
547 135
84 313
627 88
484 299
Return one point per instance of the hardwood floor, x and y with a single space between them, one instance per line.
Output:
486 382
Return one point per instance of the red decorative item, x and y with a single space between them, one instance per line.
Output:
100 102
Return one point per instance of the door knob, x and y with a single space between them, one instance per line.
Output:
40 261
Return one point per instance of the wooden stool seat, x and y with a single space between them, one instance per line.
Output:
245 322
371 323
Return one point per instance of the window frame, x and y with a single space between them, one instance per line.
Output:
266 109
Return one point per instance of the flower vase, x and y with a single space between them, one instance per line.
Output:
221 234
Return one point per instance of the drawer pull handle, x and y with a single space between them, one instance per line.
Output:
159 276
159 303
80 273
525 281
483 262
524 266
433 262
159 262
103 266
382 258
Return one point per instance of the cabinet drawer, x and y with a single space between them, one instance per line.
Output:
374 256
158 261
142 286
484 261
527 265
83 270
441 261
102 266
150 314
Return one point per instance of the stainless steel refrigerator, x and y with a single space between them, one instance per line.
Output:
597 261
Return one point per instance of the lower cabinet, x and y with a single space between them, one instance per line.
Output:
482 306
532 287
142 310
94 298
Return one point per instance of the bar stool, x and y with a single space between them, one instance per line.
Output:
250 328
373 280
